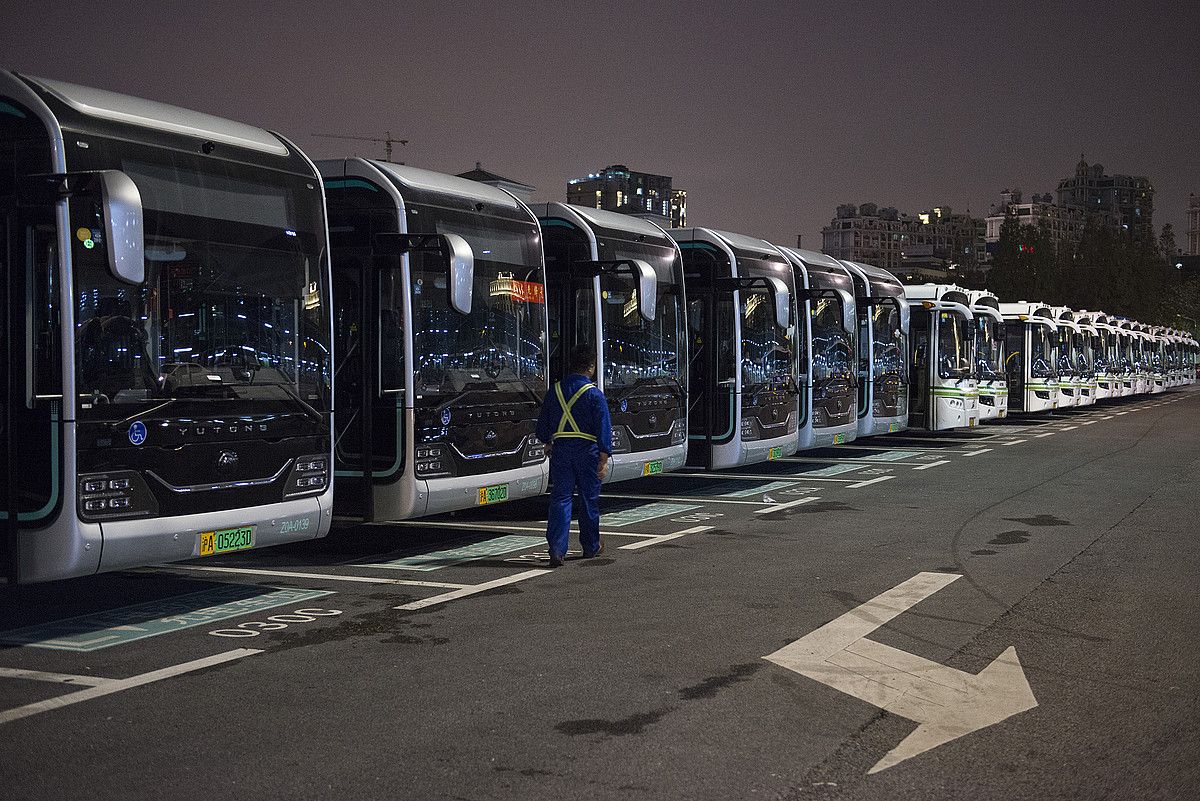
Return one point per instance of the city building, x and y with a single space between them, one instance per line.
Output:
1064 223
1193 228
524 192
643 194
1123 201
931 245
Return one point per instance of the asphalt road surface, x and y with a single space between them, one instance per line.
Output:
1009 613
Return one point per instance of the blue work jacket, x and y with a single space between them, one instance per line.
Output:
590 413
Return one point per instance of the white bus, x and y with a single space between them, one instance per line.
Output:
1070 379
827 327
1031 357
883 332
166 323
944 390
614 282
989 354
743 385
440 333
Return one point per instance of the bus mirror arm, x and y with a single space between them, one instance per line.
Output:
455 252
643 274
121 205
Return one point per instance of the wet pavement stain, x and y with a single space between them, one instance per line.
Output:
985 552
948 569
1017 537
1039 520
714 684
633 724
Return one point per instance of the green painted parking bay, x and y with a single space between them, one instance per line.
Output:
436 560
128 624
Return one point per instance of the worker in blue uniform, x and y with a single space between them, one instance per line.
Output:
577 429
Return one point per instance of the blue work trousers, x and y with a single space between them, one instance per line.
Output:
573 464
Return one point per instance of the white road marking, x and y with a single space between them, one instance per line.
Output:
633 546
869 482
1068 428
473 589
507 527
932 464
775 507
118 685
1121 413
1015 441
976 453
945 703
694 499
329 576
59 678
1090 422
1047 434
797 477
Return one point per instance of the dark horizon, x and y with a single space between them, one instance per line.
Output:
769 119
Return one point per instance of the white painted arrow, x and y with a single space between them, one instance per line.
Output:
946 703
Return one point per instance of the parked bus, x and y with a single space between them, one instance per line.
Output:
945 392
1099 337
1069 380
826 327
166 371
989 354
883 328
440 334
742 375
1124 356
1031 357
614 282
1157 343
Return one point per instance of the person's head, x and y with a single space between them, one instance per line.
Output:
583 361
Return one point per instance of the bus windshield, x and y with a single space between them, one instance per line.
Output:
890 345
954 345
637 350
233 306
1044 353
1065 362
832 351
1100 357
1082 354
502 340
989 345
767 356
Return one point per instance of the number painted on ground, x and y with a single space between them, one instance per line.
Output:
252 628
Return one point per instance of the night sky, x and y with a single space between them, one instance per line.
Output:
769 114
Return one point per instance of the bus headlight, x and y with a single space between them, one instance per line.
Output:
620 439
115 495
432 461
309 474
987 400
679 431
749 430
534 452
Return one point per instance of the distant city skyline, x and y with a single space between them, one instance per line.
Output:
770 118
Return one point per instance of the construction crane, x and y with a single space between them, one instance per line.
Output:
387 139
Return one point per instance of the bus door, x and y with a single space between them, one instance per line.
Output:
571 312
863 310
1015 358
920 407
713 355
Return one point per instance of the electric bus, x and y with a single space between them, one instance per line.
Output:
989 354
1126 374
1098 336
166 318
1070 383
827 327
1031 357
614 282
1158 359
440 333
883 328
742 373
945 391
1140 357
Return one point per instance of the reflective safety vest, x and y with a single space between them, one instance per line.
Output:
567 427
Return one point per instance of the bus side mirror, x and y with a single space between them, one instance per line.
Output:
783 302
123 230
462 272
647 283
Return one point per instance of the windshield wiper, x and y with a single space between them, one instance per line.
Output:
293 395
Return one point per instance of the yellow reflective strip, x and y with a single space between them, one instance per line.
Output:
567 417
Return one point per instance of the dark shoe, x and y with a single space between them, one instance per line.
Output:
595 553
555 560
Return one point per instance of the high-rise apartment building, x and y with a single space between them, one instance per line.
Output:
1123 201
1063 223
618 188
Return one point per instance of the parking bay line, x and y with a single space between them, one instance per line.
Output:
331 576
474 589
797 477
1015 442
1047 434
58 678
868 482
932 464
633 546
779 507
976 453
503 527
117 685
704 499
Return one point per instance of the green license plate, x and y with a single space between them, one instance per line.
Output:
893 428
775 453
493 494
226 540
652 468
839 439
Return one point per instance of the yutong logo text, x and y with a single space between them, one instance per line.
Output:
216 429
